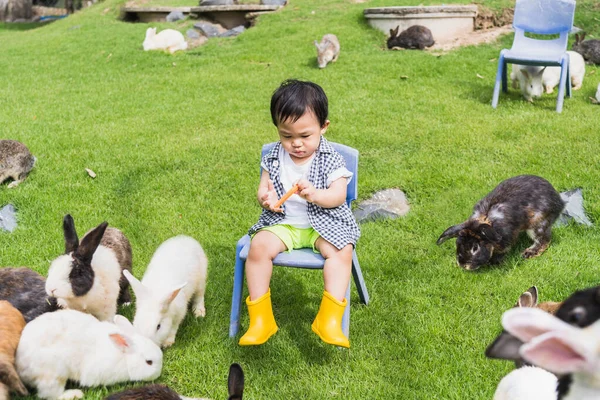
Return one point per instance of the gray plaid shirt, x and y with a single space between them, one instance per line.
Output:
336 225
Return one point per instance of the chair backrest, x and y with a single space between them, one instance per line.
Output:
544 17
350 155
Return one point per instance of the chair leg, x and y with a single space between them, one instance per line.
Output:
504 77
238 282
499 73
346 316
562 85
359 281
569 81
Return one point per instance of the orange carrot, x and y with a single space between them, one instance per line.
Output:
286 196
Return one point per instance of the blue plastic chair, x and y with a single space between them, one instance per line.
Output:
544 17
302 258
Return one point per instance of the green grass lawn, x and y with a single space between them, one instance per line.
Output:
175 141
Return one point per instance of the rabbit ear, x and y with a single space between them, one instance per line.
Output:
171 296
527 323
395 31
528 298
235 382
138 288
450 233
576 38
122 342
582 36
505 347
90 243
124 324
317 45
561 352
71 239
525 73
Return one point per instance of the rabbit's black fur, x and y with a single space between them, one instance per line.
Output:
235 384
25 290
590 49
522 203
415 37
148 392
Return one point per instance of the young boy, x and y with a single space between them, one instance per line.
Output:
317 216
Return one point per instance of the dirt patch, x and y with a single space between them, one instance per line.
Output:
472 39
487 18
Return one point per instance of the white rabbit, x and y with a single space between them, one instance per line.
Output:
71 345
529 78
168 39
527 383
88 276
161 304
551 76
598 94
328 50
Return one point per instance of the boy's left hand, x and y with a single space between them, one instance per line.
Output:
307 191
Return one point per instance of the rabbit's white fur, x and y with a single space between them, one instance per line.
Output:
551 76
328 50
529 79
598 94
168 39
560 348
527 383
71 345
101 300
176 273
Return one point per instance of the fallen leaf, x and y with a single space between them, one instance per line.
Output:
174 64
480 77
109 56
493 59
90 172
593 100
592 72
403 77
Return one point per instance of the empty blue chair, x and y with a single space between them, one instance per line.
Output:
302 258
544 17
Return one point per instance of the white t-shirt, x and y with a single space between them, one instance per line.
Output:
296 208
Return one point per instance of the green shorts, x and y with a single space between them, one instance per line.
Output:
294 238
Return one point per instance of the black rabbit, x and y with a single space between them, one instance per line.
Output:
25 290
522 203
415 37
590 49
235 384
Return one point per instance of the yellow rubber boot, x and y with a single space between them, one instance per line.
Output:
328 322
262 322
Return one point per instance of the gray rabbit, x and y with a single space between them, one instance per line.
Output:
415 37
15 161
590 49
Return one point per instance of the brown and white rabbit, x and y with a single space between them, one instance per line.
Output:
71 345
235 383
415 37
25 290
15 162
328 50
523 203
506 342
88 277
590 49
11 325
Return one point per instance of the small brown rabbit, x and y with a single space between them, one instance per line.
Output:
15 162
11 326
415 37
328 50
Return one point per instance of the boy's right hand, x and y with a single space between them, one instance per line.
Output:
269 198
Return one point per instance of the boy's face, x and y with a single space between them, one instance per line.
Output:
301 138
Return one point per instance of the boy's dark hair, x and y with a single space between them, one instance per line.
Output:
293 98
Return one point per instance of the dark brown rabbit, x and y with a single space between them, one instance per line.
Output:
522 203
25 290
415 37
235 384
590 49
11 326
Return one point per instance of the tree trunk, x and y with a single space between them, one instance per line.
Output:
11 10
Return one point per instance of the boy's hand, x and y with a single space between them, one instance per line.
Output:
269 199
307 191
